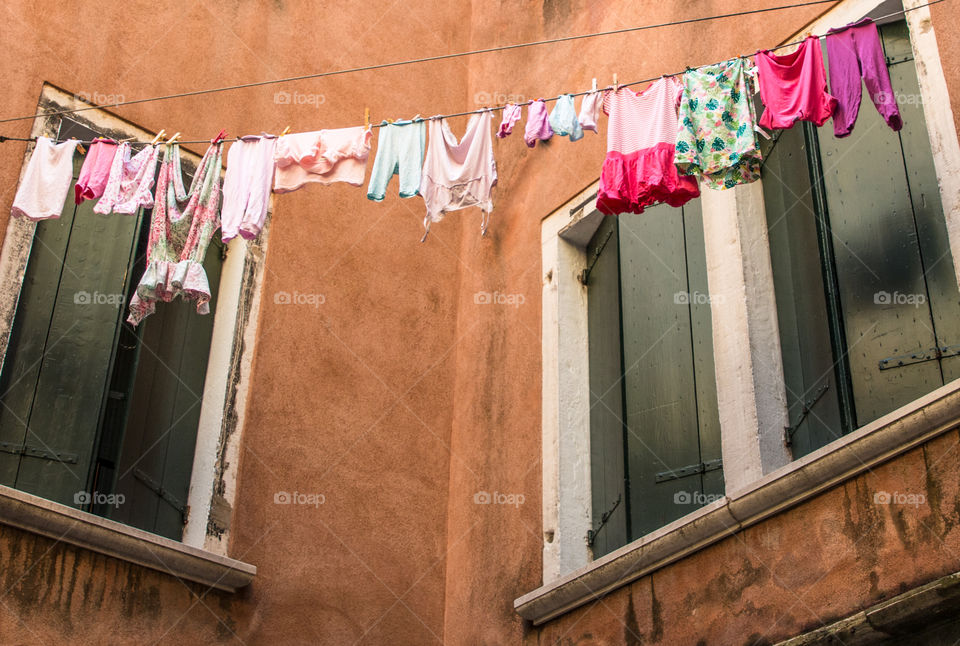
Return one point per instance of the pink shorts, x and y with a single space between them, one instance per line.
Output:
631 182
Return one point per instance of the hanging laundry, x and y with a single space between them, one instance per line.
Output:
46 181
246 186
400 149
96 170
538 125
717 138
323 156
179 236
794 86
639 169
457 175
563 119
854 51
511 114
130 184
590 110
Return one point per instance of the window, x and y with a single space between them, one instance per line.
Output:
95 413
833 293
654 427
867 297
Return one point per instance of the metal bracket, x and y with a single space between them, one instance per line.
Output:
919 357
584 275
165 495
592 533
807 407
693 469
894 60
34 452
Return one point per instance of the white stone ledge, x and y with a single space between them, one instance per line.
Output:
67 525
845 458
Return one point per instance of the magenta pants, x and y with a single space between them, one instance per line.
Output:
853 52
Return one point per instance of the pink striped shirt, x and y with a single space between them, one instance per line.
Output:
640 121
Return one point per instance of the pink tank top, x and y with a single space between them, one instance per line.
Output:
641 121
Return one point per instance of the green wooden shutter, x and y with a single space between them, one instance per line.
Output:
60 350
893 267
608 479
931 232
672 441
812 380
155 459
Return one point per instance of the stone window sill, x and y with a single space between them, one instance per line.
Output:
843 459
65 524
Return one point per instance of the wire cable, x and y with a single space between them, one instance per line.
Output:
427 59
448 56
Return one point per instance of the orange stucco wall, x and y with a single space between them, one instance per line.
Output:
400 397
824 560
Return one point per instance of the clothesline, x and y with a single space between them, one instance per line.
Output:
467 112
662 145
421 60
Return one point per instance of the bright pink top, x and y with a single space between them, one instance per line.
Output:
794 86
95 171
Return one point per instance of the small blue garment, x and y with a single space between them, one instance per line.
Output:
563 119
400 150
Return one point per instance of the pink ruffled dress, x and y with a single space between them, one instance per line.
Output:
641 134
180 235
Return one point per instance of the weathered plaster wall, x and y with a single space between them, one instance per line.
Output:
54 593
944 16
822 561
401 397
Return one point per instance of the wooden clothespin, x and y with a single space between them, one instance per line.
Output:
616 83
158 137
173 138
81 149
285 131
366 117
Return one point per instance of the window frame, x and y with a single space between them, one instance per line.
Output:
214 470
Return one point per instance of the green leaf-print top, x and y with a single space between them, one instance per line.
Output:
716 138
